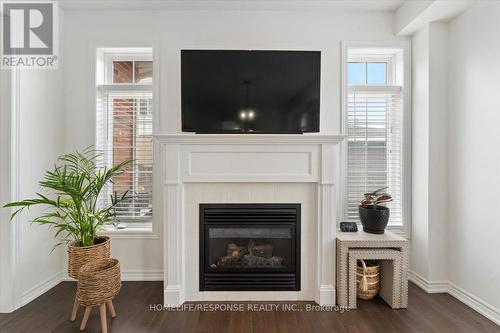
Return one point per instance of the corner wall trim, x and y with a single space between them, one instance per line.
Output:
41 288
442 286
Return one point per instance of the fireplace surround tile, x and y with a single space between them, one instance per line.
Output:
281 192
250 192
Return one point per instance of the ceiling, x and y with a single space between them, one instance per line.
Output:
308 5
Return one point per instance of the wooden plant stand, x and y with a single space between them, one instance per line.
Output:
102 313
98 283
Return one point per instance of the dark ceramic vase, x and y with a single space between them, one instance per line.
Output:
375 220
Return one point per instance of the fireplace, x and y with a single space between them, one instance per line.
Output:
249 247
232 168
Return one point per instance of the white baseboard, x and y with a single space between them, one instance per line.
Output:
431 287
142 275
477 304
173 296
41 288
484 308
126 275
326 295
132 275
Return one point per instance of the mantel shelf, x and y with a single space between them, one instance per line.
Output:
249 139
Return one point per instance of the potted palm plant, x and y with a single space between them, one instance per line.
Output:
373 215
74 187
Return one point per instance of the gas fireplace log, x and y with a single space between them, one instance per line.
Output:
265 250
235 251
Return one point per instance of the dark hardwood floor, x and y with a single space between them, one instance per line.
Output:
426 313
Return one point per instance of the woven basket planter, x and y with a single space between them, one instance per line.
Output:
367 280
79 256
98 282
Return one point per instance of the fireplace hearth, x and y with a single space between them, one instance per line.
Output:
249 247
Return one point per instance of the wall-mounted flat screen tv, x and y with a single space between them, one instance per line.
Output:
226 91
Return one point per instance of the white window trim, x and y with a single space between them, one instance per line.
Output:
132 231
405 229
151 229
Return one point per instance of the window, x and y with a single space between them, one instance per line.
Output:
367 73
374 121
132 72
125 128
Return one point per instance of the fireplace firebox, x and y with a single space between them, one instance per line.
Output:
249 247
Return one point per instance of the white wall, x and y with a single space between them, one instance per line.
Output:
438 152
32 136
429 148
455 159
474 157
41 141
28 267
172 31
420 152
7 294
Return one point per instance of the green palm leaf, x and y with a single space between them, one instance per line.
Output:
74 185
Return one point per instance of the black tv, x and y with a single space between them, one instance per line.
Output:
229 91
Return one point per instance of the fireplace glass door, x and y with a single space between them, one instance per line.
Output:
249 247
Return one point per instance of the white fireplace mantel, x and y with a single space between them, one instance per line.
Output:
249 139
244 158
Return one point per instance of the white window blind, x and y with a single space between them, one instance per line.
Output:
125 132
374 129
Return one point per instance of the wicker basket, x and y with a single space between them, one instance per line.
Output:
98 282
367 280
79 256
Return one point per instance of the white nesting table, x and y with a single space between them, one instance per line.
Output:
347 241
